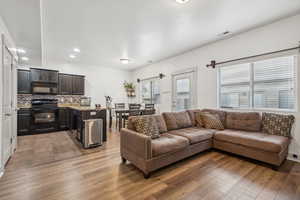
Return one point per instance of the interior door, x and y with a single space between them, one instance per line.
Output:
183 93
7 122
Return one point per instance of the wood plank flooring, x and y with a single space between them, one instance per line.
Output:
100 175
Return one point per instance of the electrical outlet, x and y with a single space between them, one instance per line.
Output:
295 156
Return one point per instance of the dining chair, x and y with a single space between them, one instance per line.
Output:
136 112
149 109
118 106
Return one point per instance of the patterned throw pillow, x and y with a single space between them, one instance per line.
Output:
198 119
147 126
277 124
211 121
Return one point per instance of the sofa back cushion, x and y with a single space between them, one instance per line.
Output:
246 121
220 113
162 127
277 124
192 114
177 120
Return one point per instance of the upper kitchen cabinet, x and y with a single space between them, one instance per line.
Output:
78 85
24 82
43 75
65 84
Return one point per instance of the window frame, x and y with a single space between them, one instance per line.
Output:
252 83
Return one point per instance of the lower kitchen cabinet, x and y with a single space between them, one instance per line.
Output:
64 118
24 121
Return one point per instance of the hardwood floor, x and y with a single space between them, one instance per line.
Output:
100 175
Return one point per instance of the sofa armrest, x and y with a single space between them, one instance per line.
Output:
135 143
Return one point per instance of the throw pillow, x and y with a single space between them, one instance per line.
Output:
277 124
147 126
211 121
198 119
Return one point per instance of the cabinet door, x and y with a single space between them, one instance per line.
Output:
78 85
65 84
64 117
24 121
24 84
52 76
42 75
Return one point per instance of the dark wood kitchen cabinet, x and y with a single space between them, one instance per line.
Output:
24 83
78 85
44 75
64 118
65 84
24 121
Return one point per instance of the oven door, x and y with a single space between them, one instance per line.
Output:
44 119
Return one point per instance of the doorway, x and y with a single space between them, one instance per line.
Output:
184 90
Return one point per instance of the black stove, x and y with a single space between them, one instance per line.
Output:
44 115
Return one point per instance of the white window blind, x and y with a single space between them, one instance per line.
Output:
264 84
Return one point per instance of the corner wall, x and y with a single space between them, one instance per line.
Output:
279 35
3 30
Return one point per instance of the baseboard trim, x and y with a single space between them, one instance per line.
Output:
1 173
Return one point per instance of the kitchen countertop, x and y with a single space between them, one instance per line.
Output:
78 107
72 106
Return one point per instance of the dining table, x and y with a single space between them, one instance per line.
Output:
121 113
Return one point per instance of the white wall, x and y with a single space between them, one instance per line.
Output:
100 81
279 35
11 44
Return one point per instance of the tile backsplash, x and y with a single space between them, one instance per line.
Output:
25 99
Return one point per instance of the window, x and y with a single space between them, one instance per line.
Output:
266 84
150 92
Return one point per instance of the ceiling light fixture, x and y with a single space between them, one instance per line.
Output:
77 50
24 58
124 61
72 56
182 1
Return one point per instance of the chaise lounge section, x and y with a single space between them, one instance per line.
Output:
181 137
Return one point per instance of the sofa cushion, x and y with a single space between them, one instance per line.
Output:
176 120
211 121
247 121
193 134
168 143
277 124
170 121
220 113
192 115
256 140
183 119
159 120
147 126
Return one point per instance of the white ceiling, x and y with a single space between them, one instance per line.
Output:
22 18
141 30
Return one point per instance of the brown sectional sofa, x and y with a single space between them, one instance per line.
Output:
181 138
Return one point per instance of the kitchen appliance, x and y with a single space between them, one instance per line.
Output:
85 101
44 88
92 133
44 115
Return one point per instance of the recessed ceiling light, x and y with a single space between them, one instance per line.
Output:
124 61
72 56
182 1
77 50
25 58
